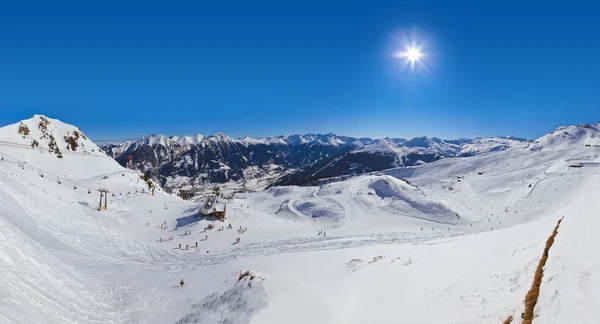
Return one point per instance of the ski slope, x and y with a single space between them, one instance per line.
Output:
395 251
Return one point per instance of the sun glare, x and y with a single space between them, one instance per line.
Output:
412 56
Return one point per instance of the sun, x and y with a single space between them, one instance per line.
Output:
412 55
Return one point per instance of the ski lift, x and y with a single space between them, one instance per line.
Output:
41 174
75 187
58 180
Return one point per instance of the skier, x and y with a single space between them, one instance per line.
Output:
206 237
180 246
196 244
324 233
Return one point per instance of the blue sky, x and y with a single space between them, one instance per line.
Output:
127 69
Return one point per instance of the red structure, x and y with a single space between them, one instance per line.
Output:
130 164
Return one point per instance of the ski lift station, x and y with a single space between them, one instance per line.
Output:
212 207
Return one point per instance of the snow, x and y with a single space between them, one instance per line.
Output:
189 140
394 251
236 305
569 136
424 145
220 207
571 278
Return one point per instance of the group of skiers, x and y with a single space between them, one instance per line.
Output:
163 226
322 232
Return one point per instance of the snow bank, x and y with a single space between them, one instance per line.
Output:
234 306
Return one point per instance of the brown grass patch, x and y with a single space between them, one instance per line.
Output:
72 143
43 126
23 130
532 296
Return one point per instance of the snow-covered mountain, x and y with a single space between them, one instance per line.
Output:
202 160
46 133
569 136
55 146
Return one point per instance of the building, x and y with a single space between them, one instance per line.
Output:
220 211
212 207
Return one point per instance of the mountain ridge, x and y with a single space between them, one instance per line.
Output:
200 161
206 159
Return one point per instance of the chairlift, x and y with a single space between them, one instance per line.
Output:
75 187
41 175
58 180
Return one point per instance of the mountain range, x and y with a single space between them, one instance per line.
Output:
287 160
203 161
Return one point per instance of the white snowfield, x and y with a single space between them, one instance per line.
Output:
457 241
